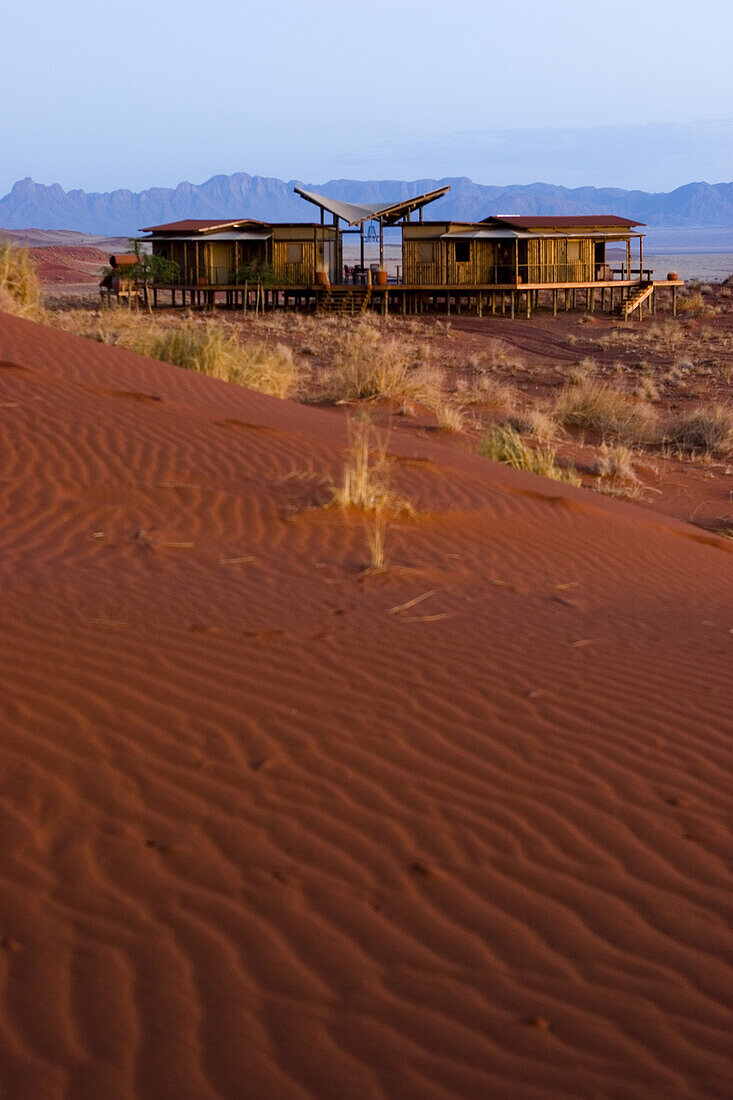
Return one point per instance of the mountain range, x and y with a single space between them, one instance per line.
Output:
123 212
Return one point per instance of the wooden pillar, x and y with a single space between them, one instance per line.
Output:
628 258
528 303
493 302
567 299
592 300
381 243
512 295
641 256
554 303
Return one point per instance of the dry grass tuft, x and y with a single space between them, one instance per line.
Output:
503 443
216 353
365 485
20 290
694 303
367 366
450 417
365 482
707 429
615 462
537 423
599 407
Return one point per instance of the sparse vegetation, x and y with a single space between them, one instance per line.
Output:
706 428
595 405
20 291
367 366
218 354
502 443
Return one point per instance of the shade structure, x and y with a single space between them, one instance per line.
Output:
357 213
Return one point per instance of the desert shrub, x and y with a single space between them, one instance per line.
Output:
502 443
707 428
599 407
20 290
366 366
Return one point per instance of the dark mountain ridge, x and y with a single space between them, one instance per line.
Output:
124 212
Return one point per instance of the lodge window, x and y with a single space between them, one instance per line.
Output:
294 254
573 252
462 252
426 252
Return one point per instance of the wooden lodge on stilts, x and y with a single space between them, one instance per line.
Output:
507 263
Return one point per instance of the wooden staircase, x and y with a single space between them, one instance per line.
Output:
634 298
347 301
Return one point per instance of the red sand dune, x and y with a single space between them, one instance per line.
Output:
265 835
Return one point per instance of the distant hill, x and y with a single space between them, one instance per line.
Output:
122 213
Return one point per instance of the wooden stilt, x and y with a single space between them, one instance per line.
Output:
512 295
554 303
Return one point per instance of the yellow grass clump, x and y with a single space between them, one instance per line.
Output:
502 443
218 354
20 290
601 408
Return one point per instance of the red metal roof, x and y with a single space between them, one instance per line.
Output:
582 221
199 225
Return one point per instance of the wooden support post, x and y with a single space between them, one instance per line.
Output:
573 297
512 295
528 303
554 303
567 300
493 302
480 305
592 294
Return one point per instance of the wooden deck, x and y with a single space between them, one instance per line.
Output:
411 298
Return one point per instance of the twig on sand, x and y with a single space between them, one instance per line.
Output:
411 603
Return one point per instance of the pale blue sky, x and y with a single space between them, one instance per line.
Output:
139 93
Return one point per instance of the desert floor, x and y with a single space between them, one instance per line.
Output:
280 825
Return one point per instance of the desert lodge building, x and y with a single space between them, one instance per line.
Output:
503 261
